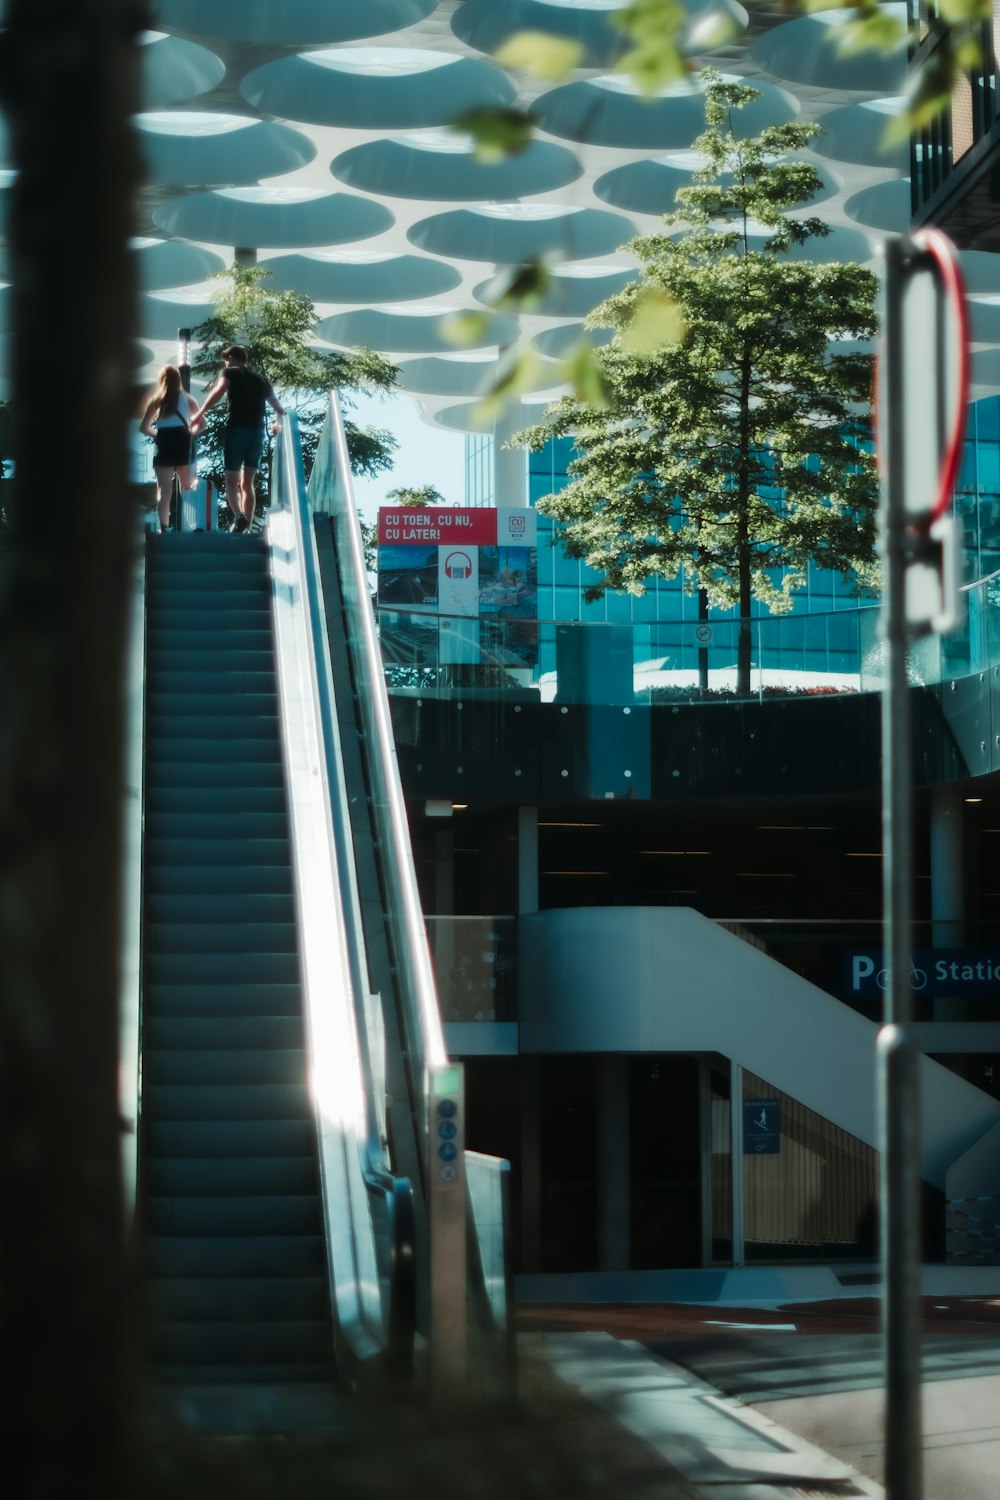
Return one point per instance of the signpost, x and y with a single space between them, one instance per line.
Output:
923 392
446 1195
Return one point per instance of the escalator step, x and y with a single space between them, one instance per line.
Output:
226 772
220 683
221 906
214 799
225 748
164 656
253 879
236 703
248 1376
209 853
297 1344
222 1000
170 618
225 823
246 1102
266 938
222 1256
254 1214
231 1035
215 643
234 1176
247 1065
203 591
208 549
227 968
165 728
233 1138
260 1299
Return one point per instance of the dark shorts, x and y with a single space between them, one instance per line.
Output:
173 448
243 448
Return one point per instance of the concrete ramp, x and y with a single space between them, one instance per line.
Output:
667 979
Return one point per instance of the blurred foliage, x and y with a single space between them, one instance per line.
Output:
659 41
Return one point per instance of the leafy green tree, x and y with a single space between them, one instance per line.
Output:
277 329
415 497
730 449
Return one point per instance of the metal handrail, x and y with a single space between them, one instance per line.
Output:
417 1007
422 1016
389 1197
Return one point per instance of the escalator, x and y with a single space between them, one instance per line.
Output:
284 1000
232 1193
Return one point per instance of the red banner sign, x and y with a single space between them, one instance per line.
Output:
442 526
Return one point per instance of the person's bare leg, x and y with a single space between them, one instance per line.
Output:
249 493
164 490
233 493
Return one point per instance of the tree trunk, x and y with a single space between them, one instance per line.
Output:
702 650
744 650
68 77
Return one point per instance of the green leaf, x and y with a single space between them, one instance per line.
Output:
655 321
967 51
581 371
465 329
710 31
967 12
872 31
541 55
496 133
928 94
654 65
515 379
519 288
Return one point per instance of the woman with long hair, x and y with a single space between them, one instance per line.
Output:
169 420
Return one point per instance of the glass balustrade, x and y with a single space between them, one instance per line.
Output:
562 661
475 963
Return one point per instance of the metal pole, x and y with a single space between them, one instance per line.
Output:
899 1102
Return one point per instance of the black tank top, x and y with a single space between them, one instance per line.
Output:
247 396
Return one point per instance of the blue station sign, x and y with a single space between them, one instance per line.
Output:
933 971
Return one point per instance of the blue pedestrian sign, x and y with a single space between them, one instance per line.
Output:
761 1127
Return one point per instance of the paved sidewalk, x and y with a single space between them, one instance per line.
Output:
778 1394
718 1446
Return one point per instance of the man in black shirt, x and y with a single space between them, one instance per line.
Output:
249 394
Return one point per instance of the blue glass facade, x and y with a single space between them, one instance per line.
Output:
561 580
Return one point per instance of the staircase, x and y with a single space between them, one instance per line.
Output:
229 1175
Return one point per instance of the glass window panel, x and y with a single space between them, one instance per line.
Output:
564 569
988 476
645 607
985 418
619 606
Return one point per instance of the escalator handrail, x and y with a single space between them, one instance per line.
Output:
331 491
381 1185
421 1012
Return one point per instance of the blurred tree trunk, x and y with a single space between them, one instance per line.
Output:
68 72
